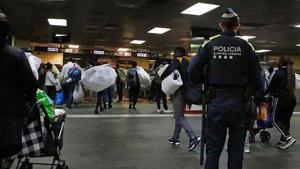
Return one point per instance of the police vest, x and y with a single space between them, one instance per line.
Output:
228 61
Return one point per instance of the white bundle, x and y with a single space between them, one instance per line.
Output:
144 77
99 78
297 78
35 63
78 94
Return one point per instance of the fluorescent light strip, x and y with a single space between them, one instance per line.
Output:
59 35
197 38
262 51
159 30
74 46
57 22
297 26
248 37
137 42
298 45
199 9
123 49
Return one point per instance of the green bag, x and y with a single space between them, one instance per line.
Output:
44 99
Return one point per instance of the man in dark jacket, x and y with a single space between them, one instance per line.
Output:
17 93
180 63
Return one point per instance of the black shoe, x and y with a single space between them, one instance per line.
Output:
193 143
174 141
130 106
96 111
110 106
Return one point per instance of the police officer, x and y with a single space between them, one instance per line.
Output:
231 67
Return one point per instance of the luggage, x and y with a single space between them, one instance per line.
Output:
99 78
35 63
59 98
171 83
78 94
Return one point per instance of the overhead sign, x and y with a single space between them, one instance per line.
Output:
52 49
140 54
99 52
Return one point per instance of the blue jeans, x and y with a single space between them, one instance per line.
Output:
180 120
69 90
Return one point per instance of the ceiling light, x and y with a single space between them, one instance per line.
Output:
159 30
74 46
123 49
197 38
57 22
199 9
262 51
248 37
297 26
59 35
298 45
137 42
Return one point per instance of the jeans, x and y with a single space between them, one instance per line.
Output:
69 90
100 101
226 111
180 120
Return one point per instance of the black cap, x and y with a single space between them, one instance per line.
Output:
229 14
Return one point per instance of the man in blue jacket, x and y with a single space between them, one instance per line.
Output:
231 67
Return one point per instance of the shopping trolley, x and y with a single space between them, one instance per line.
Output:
40 138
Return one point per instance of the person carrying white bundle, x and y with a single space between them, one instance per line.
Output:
178 67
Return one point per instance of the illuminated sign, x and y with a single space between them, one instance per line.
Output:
98 52
53 50
141 55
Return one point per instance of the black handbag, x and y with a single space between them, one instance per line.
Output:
193 93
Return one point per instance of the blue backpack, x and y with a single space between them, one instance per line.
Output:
132 78
75 74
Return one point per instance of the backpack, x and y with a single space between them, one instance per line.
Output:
75 74
132 78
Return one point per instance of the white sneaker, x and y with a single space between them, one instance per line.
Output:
246 150
287 144
158 110
168 111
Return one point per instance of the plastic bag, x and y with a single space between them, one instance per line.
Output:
162 69
144 77
42 98
78 94
99 78
171 83
57 85
35 63
59 98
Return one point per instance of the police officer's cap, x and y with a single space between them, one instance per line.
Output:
229 14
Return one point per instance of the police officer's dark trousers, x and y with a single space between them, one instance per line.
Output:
226 112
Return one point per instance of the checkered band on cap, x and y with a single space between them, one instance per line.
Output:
229 14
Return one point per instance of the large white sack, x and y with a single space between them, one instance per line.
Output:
99 78
35 63
170 84
144 77
162 70
297 78
78 94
